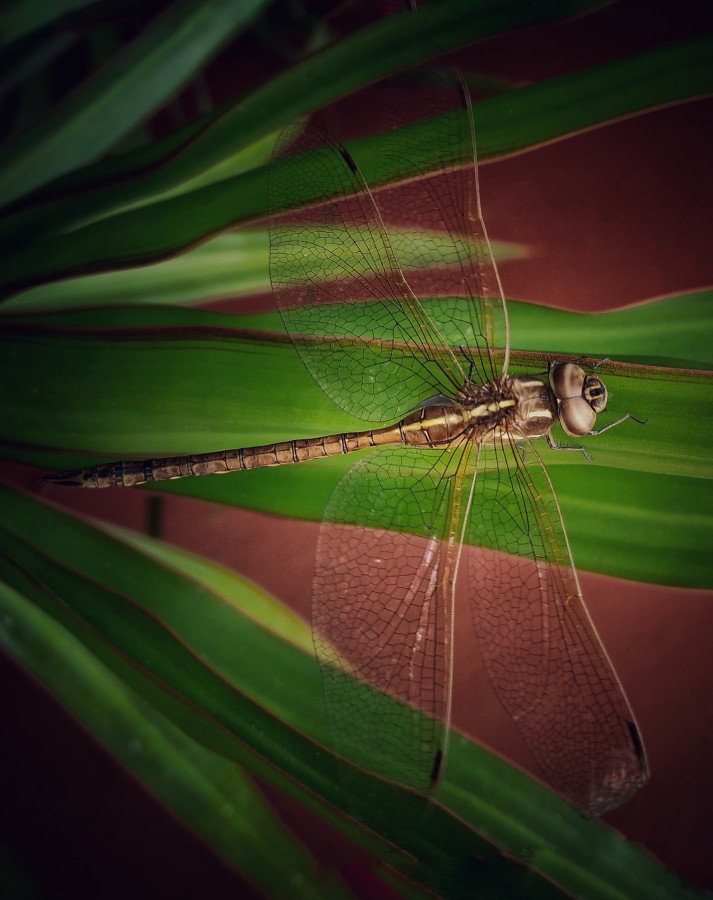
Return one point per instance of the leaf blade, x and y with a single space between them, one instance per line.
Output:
120 95
480 794
215 798
505 124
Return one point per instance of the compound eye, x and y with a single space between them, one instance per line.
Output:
595 393
567 380
577 416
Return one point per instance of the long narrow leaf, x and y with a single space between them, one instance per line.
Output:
163 626
19 18
211 795
228 266
507 123
191 384
385 47
122 94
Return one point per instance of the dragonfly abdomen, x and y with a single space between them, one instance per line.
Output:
128 473
432 426
522 407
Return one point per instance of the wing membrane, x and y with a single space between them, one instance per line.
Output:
389 548
382 611
542 654
448 201
360 331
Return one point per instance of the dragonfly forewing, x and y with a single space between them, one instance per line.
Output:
360 331
435 154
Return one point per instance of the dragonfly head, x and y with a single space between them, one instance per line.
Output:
580 397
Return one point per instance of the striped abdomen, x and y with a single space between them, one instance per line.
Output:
414 430
522 407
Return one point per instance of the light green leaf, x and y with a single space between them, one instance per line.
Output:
230 265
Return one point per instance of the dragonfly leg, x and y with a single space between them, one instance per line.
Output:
555 446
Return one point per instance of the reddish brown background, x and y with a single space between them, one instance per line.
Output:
613 216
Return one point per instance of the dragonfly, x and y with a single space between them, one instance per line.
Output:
448 463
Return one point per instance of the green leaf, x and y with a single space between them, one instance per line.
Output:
386 47
19 18
672 331
230 265
214 797
121 94
506 123
215 386
235 677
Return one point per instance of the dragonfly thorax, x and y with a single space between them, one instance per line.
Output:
528 409
524 407
518 408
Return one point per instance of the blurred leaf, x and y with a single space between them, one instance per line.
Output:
172 628
213 796
230 265
35 59
121 94
391 44
509 122
18 18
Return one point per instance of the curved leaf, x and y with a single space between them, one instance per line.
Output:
387 46
121 94
190 383
212 795
174 631
505 123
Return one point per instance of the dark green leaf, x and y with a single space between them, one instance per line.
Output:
193 382
19 18
510 122
121 94
174 629
212 795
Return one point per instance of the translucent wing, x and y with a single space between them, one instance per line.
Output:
361 333
382 610
470 311
388 552
543 656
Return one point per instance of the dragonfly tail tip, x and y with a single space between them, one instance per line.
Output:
70 478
